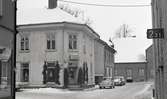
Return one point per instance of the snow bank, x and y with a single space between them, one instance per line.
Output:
47 90
146 93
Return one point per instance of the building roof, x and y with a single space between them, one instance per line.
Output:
150 47
106 45
44 15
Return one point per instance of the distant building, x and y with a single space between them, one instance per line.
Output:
104 60
150 66
132 71
54 39
7 34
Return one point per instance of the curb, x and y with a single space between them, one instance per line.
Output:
90 89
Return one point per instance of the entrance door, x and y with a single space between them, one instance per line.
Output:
50 74
72 75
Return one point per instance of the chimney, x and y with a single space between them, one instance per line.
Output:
52 4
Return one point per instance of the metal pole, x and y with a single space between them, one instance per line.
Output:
14 62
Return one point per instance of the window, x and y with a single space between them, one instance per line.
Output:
24 43
141 72
1 7
4 70
91 69
24 72
51 42
72 41
84 49
129 72
116 72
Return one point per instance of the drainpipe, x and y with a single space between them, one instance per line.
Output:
14 57
63 63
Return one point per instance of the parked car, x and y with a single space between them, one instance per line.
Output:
129 79
107 82
119 80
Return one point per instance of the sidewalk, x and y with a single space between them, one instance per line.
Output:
146 93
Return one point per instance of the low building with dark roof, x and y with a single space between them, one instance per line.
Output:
132 71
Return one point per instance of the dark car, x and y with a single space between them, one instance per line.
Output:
119 80
129 79
107 83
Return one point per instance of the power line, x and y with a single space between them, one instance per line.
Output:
91 4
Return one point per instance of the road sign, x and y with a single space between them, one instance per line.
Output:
155 33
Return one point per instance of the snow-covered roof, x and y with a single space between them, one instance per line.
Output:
44 15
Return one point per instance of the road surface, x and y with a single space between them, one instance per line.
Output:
138 90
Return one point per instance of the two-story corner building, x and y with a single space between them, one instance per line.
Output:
150 67
104 60
7 38
54 48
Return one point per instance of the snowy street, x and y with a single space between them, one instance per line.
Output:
137 90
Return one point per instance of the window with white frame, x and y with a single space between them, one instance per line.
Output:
51 41
24 43
24 72
72 41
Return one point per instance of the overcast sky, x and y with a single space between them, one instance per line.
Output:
106 20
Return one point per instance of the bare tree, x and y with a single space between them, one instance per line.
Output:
76 13
123 31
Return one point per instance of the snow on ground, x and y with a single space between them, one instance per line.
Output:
146 93
47 90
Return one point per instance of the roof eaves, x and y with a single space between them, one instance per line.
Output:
64 22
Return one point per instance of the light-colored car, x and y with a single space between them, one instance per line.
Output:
107 83
119 80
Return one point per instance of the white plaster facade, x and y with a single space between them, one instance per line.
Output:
104 60
38 53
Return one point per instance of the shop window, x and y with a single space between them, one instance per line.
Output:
25 72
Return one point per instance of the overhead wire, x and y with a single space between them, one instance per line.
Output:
105 5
